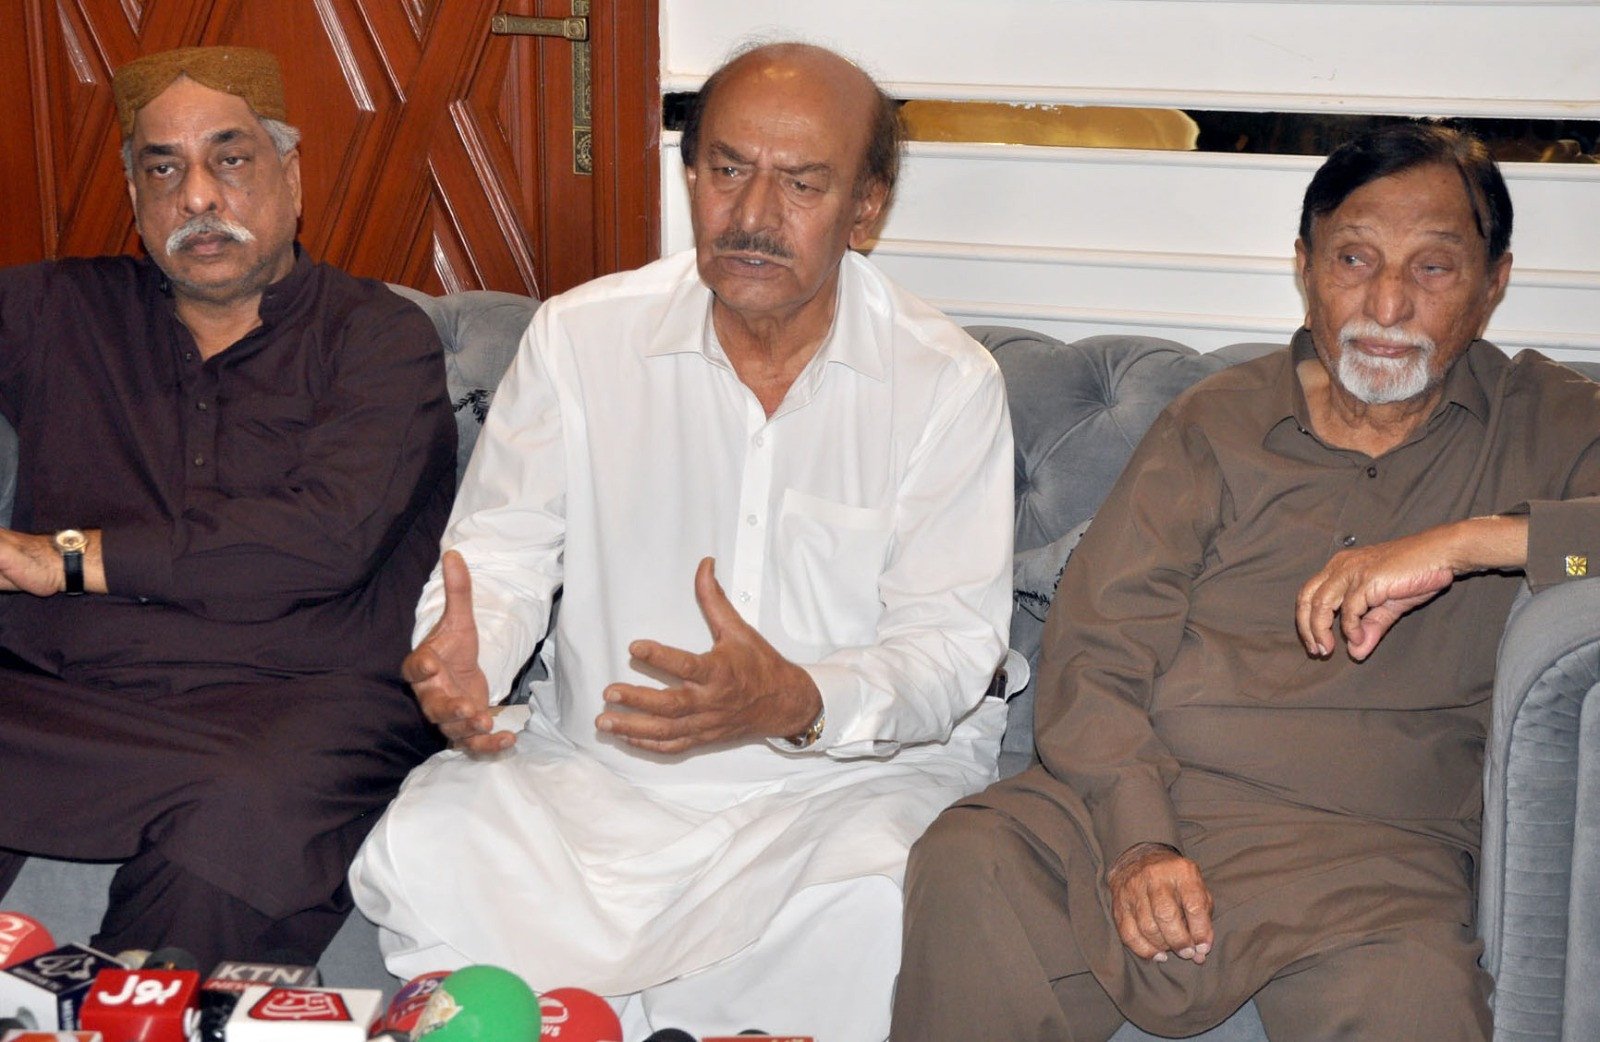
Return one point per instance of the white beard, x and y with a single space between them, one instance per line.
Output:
1381 381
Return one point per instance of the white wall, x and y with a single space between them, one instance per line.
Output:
1195 247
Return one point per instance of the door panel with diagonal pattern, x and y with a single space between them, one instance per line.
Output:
435 152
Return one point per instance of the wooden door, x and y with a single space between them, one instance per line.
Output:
435 153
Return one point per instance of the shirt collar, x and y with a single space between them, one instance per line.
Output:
859 337
278 298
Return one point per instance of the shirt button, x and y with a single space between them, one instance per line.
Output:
760 440
751 520
199 461
1372 472
202 406
744 596
188 356
1349 540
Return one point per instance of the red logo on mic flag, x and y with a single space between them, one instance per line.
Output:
576 1015
299 1004
21 938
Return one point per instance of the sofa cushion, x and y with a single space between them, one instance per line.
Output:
1077 411
480 330
1034 576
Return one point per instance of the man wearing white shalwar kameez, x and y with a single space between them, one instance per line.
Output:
715 839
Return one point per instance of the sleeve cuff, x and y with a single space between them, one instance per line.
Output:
1563 541
137 560
1135 813
841 704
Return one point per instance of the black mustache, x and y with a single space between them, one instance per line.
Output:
752 242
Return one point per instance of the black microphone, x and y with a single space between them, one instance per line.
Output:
671 1035
170 958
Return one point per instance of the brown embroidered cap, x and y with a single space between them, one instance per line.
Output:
247 72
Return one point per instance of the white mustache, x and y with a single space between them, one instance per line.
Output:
207 224
1366 329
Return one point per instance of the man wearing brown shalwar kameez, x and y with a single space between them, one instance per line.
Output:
243 461
1230 804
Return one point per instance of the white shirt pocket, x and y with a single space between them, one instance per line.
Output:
830 558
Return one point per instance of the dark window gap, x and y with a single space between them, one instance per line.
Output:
1317 134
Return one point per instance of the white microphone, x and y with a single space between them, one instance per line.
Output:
269 1014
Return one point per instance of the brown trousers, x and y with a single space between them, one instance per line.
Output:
235 808
990 954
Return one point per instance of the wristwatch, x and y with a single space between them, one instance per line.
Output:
70 543
807 738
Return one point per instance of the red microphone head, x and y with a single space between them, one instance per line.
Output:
575 1015
150 1005
409 1002
21 938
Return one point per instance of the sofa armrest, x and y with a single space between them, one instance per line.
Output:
1539 883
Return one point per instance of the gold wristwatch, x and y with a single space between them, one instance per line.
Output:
807 738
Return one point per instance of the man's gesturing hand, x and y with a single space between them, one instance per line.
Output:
443 670
741 688
1160 903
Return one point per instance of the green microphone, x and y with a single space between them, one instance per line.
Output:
480 1004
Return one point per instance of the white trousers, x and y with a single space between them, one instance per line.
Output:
825 967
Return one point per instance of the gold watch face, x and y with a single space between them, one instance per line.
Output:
71 541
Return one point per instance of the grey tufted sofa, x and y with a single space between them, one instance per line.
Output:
1078 410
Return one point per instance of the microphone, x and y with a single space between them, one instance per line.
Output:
46 991
235 976
147 1005
21 938
169 959
216 1007
408 1003
219 995
269 1014
480 1004
670 1035
575 1015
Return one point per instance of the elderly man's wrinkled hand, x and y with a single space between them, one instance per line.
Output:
1160 904
741 688
1369 589
444 674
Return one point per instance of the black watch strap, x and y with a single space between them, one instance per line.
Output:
73 562
70 544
